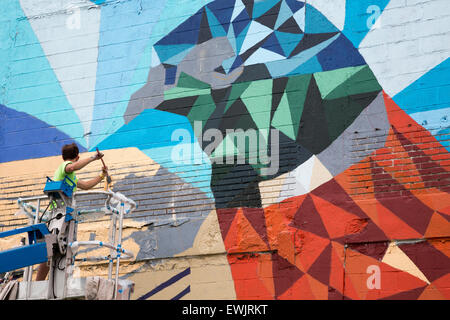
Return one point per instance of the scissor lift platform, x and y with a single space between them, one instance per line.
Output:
45 244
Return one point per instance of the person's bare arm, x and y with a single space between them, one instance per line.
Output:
80 164
86 185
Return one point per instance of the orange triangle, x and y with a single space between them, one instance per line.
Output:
285 245
311 246
265 272
370 209
394 227
319 290
247 237
441 245
335 219
428 195
356 265
247 284
431 293
394 281
438 227
443 284
351 288
444 206
300 290
231 239
337 267
276 222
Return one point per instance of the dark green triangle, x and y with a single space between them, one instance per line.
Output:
186 81
296 90
340 113
236 91
201 110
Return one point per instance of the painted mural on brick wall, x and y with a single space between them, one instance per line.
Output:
329 174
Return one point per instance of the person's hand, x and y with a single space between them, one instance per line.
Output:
97 156
105 171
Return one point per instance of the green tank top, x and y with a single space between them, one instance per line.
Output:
60 173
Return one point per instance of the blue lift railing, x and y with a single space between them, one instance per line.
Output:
33 253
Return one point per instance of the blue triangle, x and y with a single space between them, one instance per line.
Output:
240 38
315 22
343 54
240 22
236 64
187 32
288 41
261 7
223 11
310 66
273 45
295 5
217 30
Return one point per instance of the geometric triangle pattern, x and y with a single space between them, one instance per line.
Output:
293 30
333 241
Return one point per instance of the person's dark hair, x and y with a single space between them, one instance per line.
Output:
70 151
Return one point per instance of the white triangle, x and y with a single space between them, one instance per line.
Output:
262 56
155 58
303 173
320 174
255 33
334 11
291 187
70 42
299 17
396 258
238 7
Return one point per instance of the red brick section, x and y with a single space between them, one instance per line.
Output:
319 245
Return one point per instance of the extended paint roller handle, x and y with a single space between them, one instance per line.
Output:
103 162
108 177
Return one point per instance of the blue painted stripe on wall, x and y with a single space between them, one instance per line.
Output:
23 136
182 293
165 284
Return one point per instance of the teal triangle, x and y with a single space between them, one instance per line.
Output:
227 63
282 118
310 66
258 100
240 39
236 91
167 52
261 7
315 22
176 59
215 26
288 41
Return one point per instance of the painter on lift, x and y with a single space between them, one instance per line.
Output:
71 164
